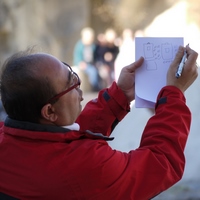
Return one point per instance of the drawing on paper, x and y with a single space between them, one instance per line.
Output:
167 51
152 53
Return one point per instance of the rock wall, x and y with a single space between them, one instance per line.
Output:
52 25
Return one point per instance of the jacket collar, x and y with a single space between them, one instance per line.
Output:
35 131
34 126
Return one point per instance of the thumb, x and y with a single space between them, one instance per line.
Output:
138 63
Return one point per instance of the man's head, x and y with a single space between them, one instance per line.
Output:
28 83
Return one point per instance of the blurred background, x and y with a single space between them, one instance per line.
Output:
56 26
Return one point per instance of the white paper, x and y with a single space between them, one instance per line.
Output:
158 54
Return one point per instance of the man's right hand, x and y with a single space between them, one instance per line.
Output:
190 70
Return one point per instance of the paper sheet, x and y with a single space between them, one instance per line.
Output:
151 76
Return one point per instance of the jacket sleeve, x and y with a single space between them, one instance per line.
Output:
157 163
164 139
101 115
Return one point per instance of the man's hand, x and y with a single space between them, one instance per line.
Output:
126 81
189 73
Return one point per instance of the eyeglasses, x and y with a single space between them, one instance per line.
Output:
76 84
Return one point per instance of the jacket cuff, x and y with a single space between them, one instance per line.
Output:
169 91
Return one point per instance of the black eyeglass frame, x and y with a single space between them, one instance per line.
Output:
57 96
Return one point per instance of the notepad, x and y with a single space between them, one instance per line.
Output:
158 54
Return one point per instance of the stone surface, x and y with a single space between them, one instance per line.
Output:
54 26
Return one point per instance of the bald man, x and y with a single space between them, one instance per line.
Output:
51 149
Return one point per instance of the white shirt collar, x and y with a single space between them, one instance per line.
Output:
74 127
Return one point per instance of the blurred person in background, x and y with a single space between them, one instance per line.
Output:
101 46
105 55
51 149
84 56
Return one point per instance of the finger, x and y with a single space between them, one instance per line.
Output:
138 63
178 56
192 55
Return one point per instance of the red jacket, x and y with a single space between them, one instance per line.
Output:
47 162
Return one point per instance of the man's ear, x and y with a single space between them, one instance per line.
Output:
48 112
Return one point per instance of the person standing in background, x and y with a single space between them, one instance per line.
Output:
101 46
105 55
83 56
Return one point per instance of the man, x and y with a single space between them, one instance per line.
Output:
49 149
